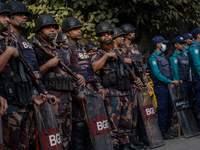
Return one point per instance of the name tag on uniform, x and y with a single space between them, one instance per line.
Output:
184 62
27 45
83 55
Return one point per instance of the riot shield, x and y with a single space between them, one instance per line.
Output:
1 134
47 130
98 123
149 119
182 107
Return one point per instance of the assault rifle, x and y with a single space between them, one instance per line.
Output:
126 66
35 42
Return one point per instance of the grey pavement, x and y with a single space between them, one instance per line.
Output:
192 143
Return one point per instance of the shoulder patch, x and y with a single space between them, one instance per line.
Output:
175 61
196 51
154 62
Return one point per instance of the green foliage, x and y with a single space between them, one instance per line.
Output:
147 16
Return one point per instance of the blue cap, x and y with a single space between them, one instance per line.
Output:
187 36
196 31
179 40
158 39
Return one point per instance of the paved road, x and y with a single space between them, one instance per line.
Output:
192 143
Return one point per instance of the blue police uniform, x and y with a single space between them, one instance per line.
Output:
161 76
194 59
180 66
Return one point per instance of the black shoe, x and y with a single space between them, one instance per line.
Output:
133 147
145 140
116 147
167 136
138 143
169 131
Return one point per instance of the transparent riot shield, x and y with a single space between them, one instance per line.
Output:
184 112
98 123
149 119
47 130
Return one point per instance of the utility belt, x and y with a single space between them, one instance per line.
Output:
114 79
58 82
16 91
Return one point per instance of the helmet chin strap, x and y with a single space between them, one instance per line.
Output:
120 44
131 36
48 37
23 25
3 27
78 37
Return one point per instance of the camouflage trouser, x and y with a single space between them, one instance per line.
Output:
15 131
119 113
64 121
134 109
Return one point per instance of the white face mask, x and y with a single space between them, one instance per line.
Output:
163 48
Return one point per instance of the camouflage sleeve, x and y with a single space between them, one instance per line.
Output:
98 82
98 55
66 54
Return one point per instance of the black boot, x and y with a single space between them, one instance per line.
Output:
78 144
133 147
124 147
88 144
167 136
172 133
134 141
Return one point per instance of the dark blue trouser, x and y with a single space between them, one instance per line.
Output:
188 90
165 110
197 94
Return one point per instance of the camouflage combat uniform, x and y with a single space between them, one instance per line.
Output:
116 102
63 109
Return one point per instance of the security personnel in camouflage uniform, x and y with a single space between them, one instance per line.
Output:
118 40
194 59
57 81
15 83
132 48
61 38
117 87
3 25
180 65
162 75
79 63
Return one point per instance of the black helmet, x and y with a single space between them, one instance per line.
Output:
89 46
61 37
16 7
70 23
44 20
3 8
103 27
127 28
117 32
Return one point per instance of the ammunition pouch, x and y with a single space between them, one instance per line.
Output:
17 92
114 79
58 82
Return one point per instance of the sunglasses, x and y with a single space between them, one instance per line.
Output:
104 33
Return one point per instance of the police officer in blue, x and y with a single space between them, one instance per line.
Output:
188 39
161 74
194 60
180 65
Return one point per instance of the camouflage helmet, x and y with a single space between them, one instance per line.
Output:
89 46
117 32
3 8
61 37
103 27
127 28
16 7
70 23
44 20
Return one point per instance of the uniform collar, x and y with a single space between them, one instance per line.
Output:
158 53
196 41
